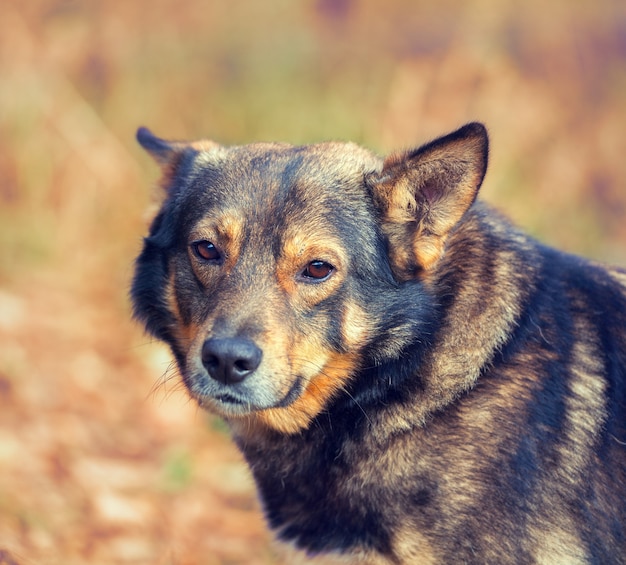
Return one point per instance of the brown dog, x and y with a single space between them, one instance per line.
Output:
411 379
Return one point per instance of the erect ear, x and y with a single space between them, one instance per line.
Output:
169 154
423 193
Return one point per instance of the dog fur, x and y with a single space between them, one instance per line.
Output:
410 378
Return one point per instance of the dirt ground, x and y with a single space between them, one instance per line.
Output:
103 459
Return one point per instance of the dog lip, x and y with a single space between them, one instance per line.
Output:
292 394
238 401
235 400
228 399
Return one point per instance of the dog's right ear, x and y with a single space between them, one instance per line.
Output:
170 154
164 152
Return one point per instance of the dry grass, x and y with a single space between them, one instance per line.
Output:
104 461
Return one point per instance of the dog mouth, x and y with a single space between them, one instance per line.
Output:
245 402
292 394
229 399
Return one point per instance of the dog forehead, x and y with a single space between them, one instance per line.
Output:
268 185
282 164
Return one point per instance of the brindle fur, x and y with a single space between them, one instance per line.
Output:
453 392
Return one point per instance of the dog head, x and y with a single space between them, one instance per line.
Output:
276 273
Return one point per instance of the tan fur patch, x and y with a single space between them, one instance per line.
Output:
356 326
412 547
556 544
184 334
204 145
619 275
168 172
586 404
332 377
427 250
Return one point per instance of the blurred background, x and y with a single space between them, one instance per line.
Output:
102 457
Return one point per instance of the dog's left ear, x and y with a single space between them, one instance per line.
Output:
423 194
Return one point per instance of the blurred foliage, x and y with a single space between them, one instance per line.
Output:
82 437
177 471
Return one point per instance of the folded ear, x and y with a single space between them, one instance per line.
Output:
169 154
423 193
163 152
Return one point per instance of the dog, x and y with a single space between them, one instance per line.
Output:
411 379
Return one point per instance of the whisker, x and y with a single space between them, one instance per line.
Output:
171 374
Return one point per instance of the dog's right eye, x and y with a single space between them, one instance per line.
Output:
206 251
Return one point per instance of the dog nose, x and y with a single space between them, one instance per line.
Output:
230 360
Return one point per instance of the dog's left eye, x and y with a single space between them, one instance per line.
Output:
206 251
317 271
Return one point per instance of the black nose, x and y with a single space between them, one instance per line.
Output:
230 360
